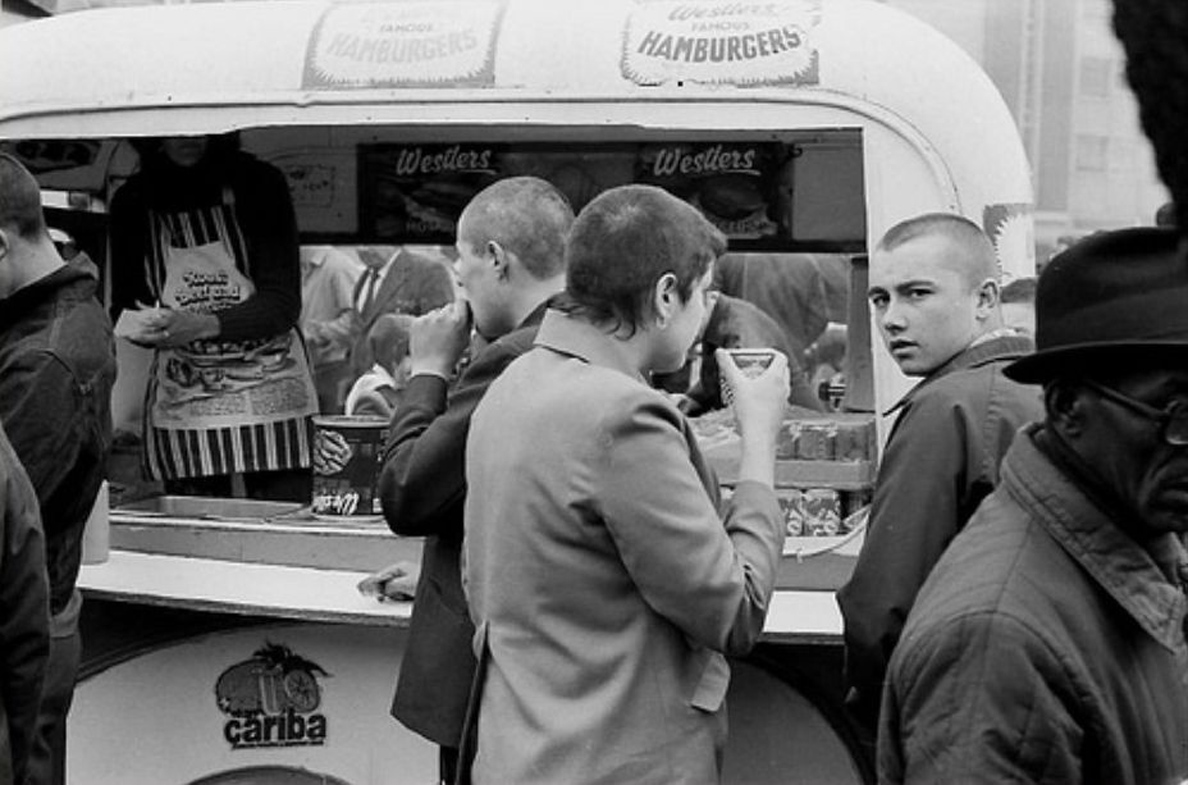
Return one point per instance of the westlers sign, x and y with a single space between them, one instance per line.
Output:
272 700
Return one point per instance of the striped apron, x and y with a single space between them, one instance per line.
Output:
219 407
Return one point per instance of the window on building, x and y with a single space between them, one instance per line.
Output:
1092 153
1097 76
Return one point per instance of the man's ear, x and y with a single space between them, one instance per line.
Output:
1064 403
499 259
987 293
665 298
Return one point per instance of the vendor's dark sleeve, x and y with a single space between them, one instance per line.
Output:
265 211
130 283
423 480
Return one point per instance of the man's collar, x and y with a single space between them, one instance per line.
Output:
1116 562
1007 345
537 314
16 305
578 338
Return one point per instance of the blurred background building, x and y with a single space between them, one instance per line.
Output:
1061 71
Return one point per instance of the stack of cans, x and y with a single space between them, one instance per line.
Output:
826 440
819 512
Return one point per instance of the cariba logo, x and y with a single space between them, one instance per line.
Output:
271 700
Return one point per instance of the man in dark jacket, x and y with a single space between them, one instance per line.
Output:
395 280
57 367
1048 644
934 290
511 240
24 614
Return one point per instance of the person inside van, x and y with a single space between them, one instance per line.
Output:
379 391
205 253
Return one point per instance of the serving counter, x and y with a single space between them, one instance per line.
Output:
233 643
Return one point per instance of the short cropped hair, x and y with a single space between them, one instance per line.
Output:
1020 290
527 216
389 338
20 199
624 241
979 259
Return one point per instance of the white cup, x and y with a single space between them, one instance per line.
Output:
96 541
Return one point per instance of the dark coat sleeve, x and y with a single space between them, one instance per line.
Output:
265 211
422 483
24 609
914 516
129 229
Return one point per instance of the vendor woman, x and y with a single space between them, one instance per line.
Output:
205 258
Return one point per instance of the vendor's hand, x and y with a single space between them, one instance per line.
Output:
169 327
438 339
331 452
395 582
758 400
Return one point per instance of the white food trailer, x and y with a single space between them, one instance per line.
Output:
228 644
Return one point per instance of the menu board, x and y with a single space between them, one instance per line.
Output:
752 191
735 186
415 193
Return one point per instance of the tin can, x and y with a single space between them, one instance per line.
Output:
791 503
822 512
347 452
751 362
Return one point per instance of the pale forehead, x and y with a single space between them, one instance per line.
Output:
463 230
933 257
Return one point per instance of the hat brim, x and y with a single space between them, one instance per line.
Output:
1042 365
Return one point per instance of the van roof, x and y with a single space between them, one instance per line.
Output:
214 67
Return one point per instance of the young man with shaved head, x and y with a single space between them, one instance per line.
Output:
57 368
511 241
934 291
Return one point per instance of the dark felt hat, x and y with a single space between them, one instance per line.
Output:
1114 297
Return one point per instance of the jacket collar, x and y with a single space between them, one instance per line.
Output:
27 299
537 314
1123 568
997 349
578 338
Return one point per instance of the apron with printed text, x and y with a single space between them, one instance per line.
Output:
216 407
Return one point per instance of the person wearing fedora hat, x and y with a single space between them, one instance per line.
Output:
1048 644
934 292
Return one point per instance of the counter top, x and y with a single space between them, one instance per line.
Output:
330 595
280 591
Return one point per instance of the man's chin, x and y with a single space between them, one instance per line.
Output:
911 368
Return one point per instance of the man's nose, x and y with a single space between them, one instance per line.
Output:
892 319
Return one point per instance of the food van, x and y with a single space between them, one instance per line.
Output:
229 640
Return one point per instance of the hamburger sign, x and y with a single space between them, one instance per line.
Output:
741 43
